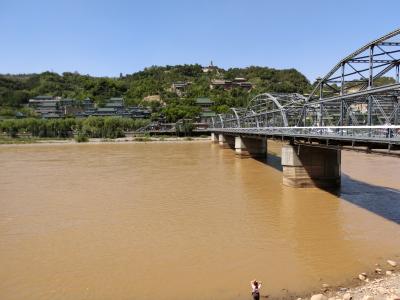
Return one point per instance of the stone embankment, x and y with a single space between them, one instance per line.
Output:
383 284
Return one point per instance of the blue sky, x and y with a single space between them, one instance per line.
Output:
106 38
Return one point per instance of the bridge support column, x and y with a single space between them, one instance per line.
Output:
226 141
214 138
305 166
250 147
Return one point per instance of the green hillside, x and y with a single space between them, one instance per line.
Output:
16 90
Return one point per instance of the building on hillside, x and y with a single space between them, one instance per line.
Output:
105 112
115 102
46 106
46 109
180 87
221 83
229 84
206 116
68 102
115 107
204 102
206 113
244 85
55 107
210 68
138 112
87 104
38 101
69 107
242 82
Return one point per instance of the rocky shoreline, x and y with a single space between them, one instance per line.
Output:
382 284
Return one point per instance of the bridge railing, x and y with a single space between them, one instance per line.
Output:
387 133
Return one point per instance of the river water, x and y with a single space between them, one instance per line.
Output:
184 221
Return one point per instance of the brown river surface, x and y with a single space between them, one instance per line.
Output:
184 221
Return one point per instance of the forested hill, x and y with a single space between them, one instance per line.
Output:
16 90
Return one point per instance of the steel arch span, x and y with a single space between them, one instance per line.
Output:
362 89
359 97
273 110
264 110
363 69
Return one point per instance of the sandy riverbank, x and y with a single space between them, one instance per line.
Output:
387 287
382 284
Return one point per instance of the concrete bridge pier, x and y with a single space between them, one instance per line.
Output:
250 147
226 141
214 138
305 166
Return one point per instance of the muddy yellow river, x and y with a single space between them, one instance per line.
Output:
184 221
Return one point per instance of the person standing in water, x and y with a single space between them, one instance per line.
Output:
255 289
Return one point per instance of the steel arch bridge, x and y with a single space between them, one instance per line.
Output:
357 100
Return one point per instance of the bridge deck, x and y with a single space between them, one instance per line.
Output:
370 136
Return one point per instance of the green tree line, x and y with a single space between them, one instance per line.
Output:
96 127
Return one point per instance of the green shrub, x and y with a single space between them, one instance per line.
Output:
81 138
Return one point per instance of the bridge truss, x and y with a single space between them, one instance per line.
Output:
359 96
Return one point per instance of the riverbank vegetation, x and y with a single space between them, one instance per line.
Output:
92 127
